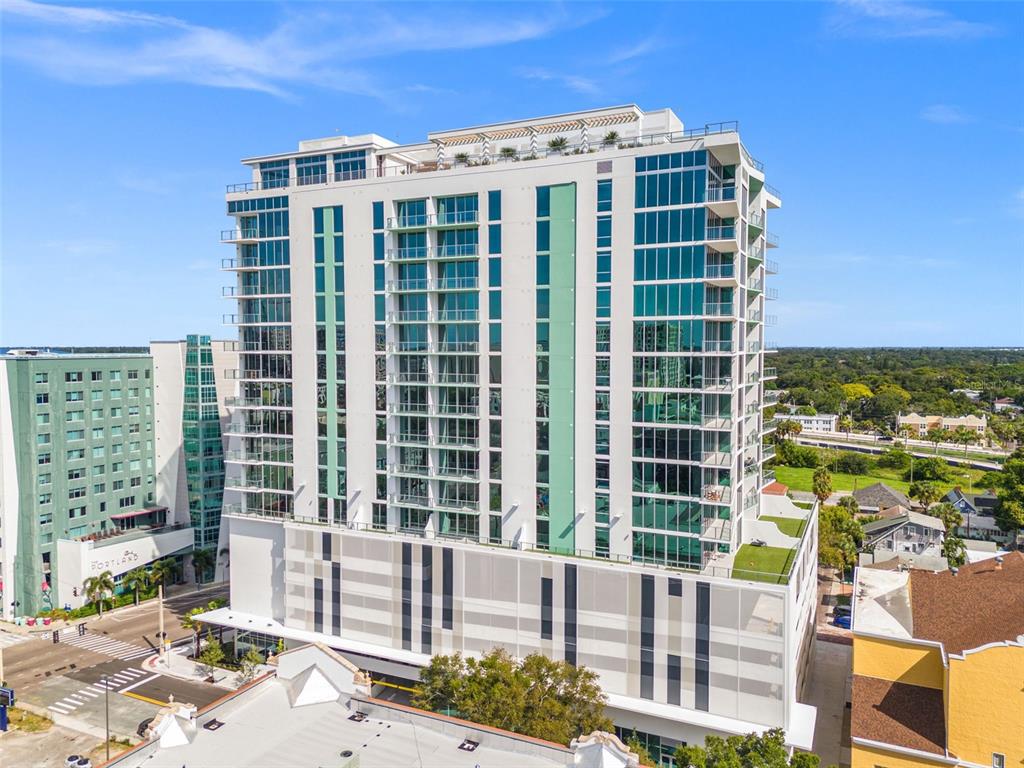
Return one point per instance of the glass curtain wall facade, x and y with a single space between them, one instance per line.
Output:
202 444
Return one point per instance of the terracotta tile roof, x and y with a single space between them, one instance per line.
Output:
982 604
896 713
776 489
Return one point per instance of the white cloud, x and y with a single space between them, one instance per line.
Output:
575 83
634 51
313 45
895 19
945 114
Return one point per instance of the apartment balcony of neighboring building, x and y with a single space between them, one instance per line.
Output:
423 221
722 237
416 500
414 439
754 347
719 421
718 346
714 527
768 426
771 267
771 239
716 384
281 455
716 494
722 199
439 316
252 319
426 285
250 374
253 403
716 310
239 235
770 373
722 274
253 483
769 397
755 254
772 196
246 263
767 477
434 348
247 510
716 458
250 291
755 285
755 224
768 452
771 293
243 428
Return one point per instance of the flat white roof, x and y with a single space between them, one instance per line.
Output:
881 603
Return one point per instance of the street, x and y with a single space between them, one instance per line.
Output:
84 680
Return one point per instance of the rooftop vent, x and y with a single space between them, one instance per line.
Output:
468 745
954 571
357 717
213 725
999 562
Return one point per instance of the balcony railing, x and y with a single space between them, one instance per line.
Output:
717 345
457 409
463 473
715 528
238 235
457 441
457 377
409 253
456 283
754 315
414 499
719 271
771 294
450 503
457 250
717 384
767 477
719 309
771 267
410 316
771 239
398 409
457 315
716 458
412 438
719 194
409 221
446 347
717 494
755 286
725 232
756 252
755 219
409 284
409 469
770 373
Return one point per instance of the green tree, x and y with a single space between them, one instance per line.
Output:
137 580
97 589
536 696
845 424
249 665
807 410
766 750
787 428
849 503
936 436
821 484
163 571
840 537
965 437
926 492
558 143
1010 494
954 551
930 468
638 748
212 654
949 515
202 561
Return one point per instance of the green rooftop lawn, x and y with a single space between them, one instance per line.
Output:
763 563
800 479
790 526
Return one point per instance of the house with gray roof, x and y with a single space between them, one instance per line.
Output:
880 496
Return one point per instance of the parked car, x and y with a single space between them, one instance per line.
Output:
843 621
842 610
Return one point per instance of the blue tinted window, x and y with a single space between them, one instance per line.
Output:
378 214
494 238
318 221
543 202
494 205
494 303
543 269
543 235
604 231
378 247
494 273
604 195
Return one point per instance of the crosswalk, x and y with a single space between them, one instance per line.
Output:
124 680
105 645
8 639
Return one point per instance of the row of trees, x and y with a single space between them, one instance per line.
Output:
99 589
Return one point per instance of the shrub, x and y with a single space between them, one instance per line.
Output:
932 468
853 463
894 458
795 455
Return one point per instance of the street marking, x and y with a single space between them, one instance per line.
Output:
145 699
94 687
67 701
88 692
122 678
59 710
141 682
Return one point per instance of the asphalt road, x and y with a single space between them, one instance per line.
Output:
99 677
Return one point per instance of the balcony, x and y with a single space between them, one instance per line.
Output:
716 458
768 452
243 428
409 253
243 510
719 309
251 320
773 198
755 286
721 274
280 455
721 384
771 239
408 409
722 200
770 397
456 347
457 316
457 441
456 409
409 285
239 235
770 373
753 347
409 377
715 528
756 252
409 438
419 346
717 421
754 316
771 294
716 494
467 505
755 223
457 377
725 232
411 500
456 251
456 284
769 426
458 473
448 219
771 267
717 345
419 470
413 221
767 477
409 316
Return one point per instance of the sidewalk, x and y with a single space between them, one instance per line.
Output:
176 590
176 665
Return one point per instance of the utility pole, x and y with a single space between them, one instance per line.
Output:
160 612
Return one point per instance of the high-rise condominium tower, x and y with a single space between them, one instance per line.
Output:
505 387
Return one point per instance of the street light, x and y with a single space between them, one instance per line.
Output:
106 707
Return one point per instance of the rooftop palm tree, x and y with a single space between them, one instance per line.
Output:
558 143
610 138
97 588
137 580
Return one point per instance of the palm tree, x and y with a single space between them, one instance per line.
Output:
202 561
226 554
821 484
558 143
508 153
162 570
96 589
845 425
610 138
136 580
965 437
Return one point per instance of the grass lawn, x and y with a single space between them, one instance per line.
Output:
28 722
761 563
790 526
800 479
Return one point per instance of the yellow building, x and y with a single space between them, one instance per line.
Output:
938 667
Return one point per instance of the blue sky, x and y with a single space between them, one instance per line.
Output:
894 131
